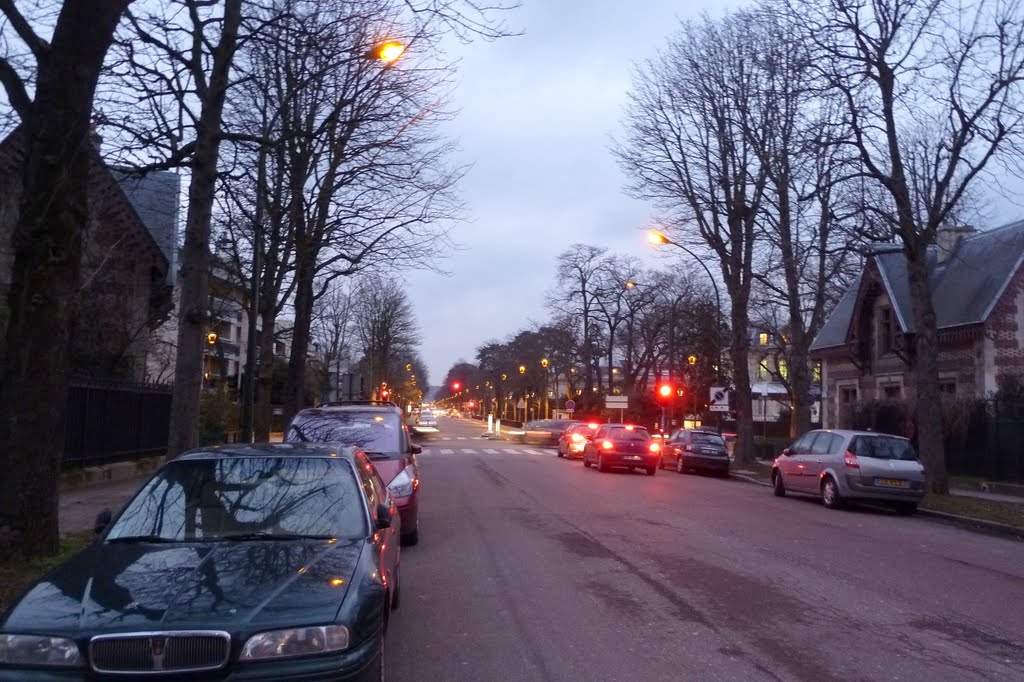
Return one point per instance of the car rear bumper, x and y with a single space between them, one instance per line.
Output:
630 459
705 462
858 490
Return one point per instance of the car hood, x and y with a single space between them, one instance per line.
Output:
230 585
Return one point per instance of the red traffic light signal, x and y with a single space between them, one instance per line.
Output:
384 393
665 392
456 386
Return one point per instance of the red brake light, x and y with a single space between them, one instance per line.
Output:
630 427
851 460
655 447
576 438
607 445
593 426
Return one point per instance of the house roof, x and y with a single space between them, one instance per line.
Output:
965 287
155 198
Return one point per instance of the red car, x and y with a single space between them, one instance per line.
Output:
377 428
574 439
622 445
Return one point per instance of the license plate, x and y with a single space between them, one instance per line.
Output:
635 457
891 483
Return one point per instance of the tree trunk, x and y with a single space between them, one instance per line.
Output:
263 410
799 383
926 368
743 454
295 398
47 245
194 278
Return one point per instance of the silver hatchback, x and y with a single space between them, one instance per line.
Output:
851 465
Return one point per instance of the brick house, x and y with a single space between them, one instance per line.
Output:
128 254
978 294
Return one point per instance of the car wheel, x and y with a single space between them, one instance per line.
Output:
830 493
906 508
778 487
410 539
586 462
560 453
679 465
601 464
652 470
396 596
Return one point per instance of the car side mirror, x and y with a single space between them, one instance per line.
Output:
383 516
102 521
416 449
784 453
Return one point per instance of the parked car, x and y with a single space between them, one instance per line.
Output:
270 562
574 439
695 450
378 429
543 432
841 466
622 445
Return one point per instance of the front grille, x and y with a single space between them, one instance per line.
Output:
160 652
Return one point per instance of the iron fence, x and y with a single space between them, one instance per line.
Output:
111 421
992 446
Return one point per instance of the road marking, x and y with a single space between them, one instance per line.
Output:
447 452
468 451
490 452
534 452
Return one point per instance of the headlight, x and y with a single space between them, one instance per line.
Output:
36 650
296 642
403 483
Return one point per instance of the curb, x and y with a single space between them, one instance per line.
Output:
967 522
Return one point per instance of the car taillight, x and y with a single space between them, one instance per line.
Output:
576 438
607 445
655 447
689 447
851 460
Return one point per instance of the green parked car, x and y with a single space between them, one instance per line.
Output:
250 562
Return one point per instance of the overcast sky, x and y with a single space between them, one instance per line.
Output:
537 115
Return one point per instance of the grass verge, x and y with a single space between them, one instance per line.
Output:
16 574
1008 513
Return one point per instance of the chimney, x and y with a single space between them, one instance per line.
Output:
948 237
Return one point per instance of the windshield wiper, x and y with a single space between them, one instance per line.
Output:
245 537
142 538
377 455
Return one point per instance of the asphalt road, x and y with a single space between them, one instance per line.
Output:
533 568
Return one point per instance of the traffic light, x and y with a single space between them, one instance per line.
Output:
384 393
456 386
665 392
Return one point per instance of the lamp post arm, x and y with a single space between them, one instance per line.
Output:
718 299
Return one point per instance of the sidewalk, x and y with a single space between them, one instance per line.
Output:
79 506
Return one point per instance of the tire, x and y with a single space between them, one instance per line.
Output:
906 508
559 452
652 470
601 464
680 469
586 462
396 596
778 487
411 539
830 493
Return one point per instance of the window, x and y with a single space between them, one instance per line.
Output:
803 444
885 330
891 391
847 394
762 371
783 369
762 339
825 443
817 373
947 387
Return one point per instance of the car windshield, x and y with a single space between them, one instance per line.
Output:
883 447
277 498
621 433
371 432
708 438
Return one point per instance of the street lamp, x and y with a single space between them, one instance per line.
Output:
659 238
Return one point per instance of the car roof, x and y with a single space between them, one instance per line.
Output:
849 433
354 407
235 450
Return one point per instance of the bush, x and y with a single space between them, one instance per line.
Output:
217 416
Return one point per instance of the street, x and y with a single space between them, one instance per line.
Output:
531 567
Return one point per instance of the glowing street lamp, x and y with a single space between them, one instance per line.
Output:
522 369
388 52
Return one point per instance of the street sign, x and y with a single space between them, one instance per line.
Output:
719 399
618 402
521 405
570 405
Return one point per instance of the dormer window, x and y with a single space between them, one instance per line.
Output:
762 339
885 329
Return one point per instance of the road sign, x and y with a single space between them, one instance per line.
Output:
570 405
521 405
719 399
618 402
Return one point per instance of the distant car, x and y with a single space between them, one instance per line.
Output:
427 418
574 439
622 445
694 449
841 466
543 432
379 430
256 562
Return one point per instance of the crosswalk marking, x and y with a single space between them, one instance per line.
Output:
534 452
447 452
468 451
487 451
494 452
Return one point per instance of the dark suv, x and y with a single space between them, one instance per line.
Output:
377 428
698 450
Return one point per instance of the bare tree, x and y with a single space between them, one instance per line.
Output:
575 295
47 244
333 331
685 148
386 328
931 94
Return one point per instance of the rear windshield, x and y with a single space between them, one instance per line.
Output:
708 438
621 433
883 447
371 432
